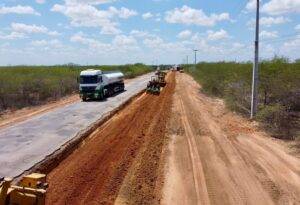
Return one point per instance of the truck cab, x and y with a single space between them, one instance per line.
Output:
94 84
91 85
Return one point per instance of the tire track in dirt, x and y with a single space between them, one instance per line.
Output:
240 165
198 174
95 172
143 182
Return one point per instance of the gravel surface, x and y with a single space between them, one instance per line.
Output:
29 142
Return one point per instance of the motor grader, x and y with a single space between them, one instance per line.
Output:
31 190
153 86
161 78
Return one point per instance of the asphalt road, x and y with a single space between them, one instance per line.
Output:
29 142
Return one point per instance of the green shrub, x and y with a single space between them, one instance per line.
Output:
22 86
279 90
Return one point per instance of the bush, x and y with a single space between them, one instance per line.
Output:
22 86
279 90
277 118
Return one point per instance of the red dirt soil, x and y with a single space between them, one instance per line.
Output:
132 140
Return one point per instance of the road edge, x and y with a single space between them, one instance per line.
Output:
51 161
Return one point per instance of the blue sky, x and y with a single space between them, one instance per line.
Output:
129 31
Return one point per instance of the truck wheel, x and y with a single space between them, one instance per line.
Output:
122 87
110 92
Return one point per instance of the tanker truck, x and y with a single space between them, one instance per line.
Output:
95 84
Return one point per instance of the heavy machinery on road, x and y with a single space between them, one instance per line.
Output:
31 190
153 86
157 82
95 84
161 77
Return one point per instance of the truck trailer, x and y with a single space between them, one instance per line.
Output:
95 84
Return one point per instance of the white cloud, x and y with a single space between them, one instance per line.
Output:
43 43
297 27
40 1
184 34
269 21
91 2
217 35
268 34
292 45
12 36
18 10
110 30
251 5
189 16
124 42
87 15
139 33
123 13
238 45
153 42
277 7
120 43
147 15
90 42
25 28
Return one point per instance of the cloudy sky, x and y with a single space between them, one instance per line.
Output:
148 31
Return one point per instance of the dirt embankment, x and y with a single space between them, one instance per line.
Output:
124 152
217 157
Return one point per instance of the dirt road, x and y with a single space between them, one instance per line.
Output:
181 147
122 157
217 157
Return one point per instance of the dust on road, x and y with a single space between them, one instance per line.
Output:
217 157
128 146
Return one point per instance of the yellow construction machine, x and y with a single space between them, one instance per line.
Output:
31 190
153 87
161 75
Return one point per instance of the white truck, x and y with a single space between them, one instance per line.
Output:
95 84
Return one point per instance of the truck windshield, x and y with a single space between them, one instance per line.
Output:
91 79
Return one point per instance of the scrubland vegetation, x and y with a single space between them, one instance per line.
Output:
279 91
22 86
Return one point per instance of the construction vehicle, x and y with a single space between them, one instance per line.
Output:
161 76
153 86
31 190
95 84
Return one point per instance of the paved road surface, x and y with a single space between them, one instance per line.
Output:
27 143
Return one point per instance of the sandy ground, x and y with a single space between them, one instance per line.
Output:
121 161
217 157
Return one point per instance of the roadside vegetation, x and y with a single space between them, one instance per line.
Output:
22 86
279 91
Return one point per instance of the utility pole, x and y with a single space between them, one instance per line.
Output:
187 60
254 100
195 50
